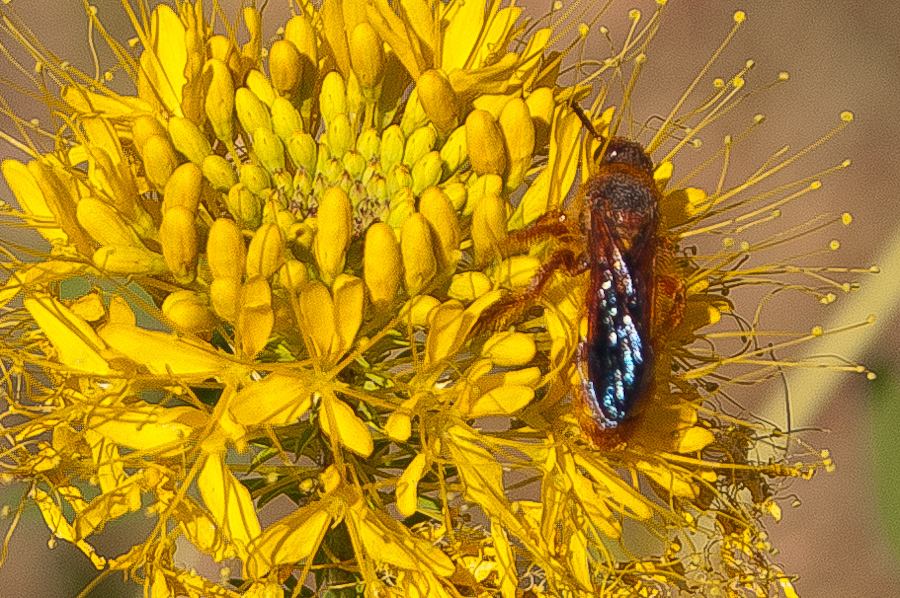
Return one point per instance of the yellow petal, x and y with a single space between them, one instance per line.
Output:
200 530
696 438
108 506
61 528
408 484
289 540
351 431
165 70
76 343
387 541
461 35
509 349
276 400
229 503
162 353
143 426
504 400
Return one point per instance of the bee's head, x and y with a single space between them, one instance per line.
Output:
620 150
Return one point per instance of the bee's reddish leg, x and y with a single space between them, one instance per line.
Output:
670 304
512 307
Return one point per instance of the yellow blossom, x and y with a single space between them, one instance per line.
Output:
346 266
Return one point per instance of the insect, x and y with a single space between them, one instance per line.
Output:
617 242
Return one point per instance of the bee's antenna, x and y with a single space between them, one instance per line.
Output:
584 119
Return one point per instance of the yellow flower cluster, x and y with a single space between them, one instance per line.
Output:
288 251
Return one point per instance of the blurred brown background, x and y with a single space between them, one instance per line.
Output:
841 55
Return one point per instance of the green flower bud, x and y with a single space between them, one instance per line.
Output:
189 140
255 178
268 148
426 172
251 112
285 120
219 172
418 144
303 151
392 143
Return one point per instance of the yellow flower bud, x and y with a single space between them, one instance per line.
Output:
518 134
189 311
419 143
469 286
381 265
509 349
349 297
260 86
366 55
285 67
255 318
159 160
517 272
300 32
340 135
189 140
489 184
144 127
178 236
407 485
446 322
420 310
541 106
487 153
457 194
266 252
219 103
225 251
488 227
223 295
439 212
333 236
438 100
252 50
184 188
419 263
293 275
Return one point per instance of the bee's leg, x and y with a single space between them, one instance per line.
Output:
669 307
512 307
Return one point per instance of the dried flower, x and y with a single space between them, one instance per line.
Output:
308 241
